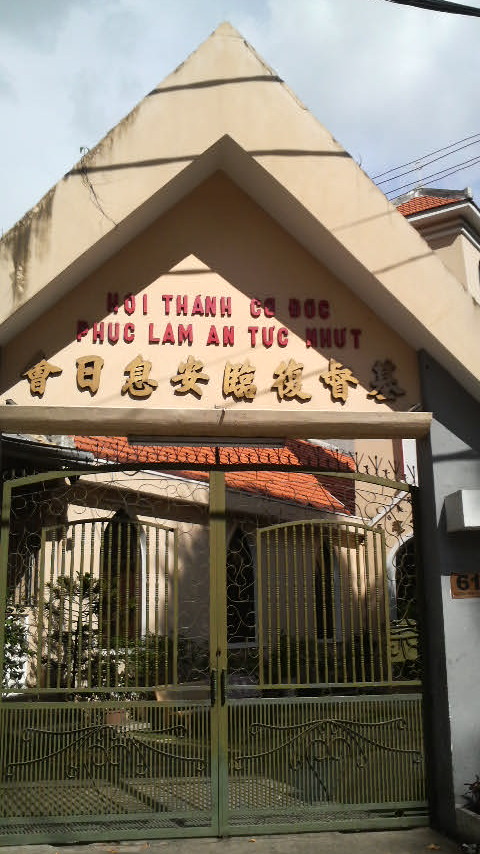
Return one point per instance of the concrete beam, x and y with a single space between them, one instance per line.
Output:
218 423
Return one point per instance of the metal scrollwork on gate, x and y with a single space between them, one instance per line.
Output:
93 748
329 739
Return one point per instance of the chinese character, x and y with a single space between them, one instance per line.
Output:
189 375
289 382
138 383
338 378
88 373
238 380
38 375
385 385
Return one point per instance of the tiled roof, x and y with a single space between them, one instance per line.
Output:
301 488
424 203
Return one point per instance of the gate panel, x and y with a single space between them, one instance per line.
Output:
321 763
106 719
97 770
323 681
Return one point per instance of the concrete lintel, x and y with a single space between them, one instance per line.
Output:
218 423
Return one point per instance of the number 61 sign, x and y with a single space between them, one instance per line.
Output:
465 585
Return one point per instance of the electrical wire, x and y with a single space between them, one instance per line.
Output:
425 161
441 6
445 173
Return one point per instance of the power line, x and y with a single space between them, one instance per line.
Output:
422 163
441 6
453 145
445 173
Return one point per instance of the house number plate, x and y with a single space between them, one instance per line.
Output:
465 585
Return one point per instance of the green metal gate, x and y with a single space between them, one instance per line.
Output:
191 654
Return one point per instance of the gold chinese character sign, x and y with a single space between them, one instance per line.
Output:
288 382
88 373
38 375
338 378
190 373
139 384
238 380
384 385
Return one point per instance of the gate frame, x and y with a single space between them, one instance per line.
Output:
218 656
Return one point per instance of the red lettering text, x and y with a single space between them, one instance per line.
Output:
152 338
228 336
355 333
185 333
129 333
255 308
267 335
112 303
225 306
182 305
197 306
113 332
129 304
210 306
82 329
213 337
168 336
167 298
98 332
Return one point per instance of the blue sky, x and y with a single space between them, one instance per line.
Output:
391 83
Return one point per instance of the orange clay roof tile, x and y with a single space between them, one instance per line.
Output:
301 488
424 203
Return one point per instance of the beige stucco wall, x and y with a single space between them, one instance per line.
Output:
199 249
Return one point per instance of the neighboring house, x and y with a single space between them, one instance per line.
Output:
449 220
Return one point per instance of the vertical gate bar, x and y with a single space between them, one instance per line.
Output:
218 648
108 600
61 608
379 570
147 676
129 624
360 596
278 618
331 559
41 583
4 551
102 563
368 604
287 610
387 610
351 610
295 605
90 609
269 611
156 604
175 610
260 640
121 607
81 603
314 600
139 605
72 633
326 669
138 599
40 620
341 594
306 621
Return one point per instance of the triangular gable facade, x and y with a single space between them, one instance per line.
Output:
218 252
